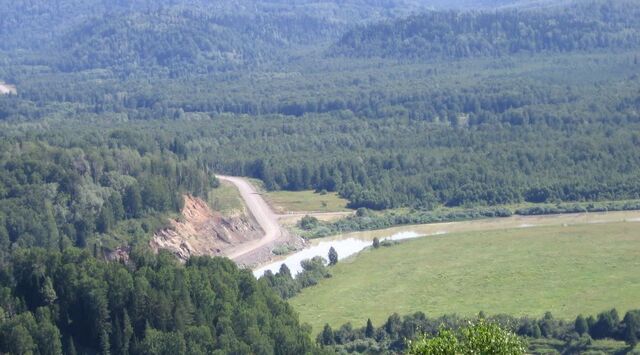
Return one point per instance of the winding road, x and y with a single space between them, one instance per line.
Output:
261 211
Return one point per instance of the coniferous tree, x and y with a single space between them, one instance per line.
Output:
327 336
284 271
581 325
127 333
52 227
115 202
369 330
105 220
70 346
537 333
132 202
333 256
631 324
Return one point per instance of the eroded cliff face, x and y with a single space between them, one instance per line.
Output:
202 231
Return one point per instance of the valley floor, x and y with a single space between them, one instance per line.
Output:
567 270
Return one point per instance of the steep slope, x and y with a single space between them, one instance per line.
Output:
201 231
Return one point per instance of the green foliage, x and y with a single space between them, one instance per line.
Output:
66 194
152 306
333 256
631 327
445 343
451 334
490 338
593 25
606 325
327 336
369 330
308 222
313 270
162 343
581 325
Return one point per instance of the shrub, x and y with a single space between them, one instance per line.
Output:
478 338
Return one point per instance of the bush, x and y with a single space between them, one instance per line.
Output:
478 338
308 222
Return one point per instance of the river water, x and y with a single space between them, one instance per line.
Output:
7 89
349 244
346 246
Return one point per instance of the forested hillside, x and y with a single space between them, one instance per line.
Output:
161 39
192 40
55 302
589 26
197 36
54 196
33 24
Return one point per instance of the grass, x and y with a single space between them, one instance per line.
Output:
566 270
306 201
226 199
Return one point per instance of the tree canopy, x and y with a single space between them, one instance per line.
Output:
53 302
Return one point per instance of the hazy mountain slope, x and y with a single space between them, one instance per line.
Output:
450 34
185 37
34 24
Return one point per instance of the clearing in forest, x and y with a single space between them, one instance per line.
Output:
306 201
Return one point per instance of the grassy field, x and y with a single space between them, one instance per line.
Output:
567 270
226 199
306 201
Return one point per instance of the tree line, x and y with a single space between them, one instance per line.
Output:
573 336
365 220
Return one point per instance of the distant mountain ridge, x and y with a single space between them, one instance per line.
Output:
453 34
35 24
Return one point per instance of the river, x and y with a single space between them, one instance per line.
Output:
7 89
351 243
345 246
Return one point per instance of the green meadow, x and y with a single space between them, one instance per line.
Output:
527 271
306 201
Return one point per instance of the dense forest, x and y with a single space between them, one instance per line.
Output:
69 302
63 185
53 196
454 35
32 25
177 37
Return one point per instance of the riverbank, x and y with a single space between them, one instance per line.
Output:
348 244
370 220
6 89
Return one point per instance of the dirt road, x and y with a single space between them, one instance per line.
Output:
261 211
